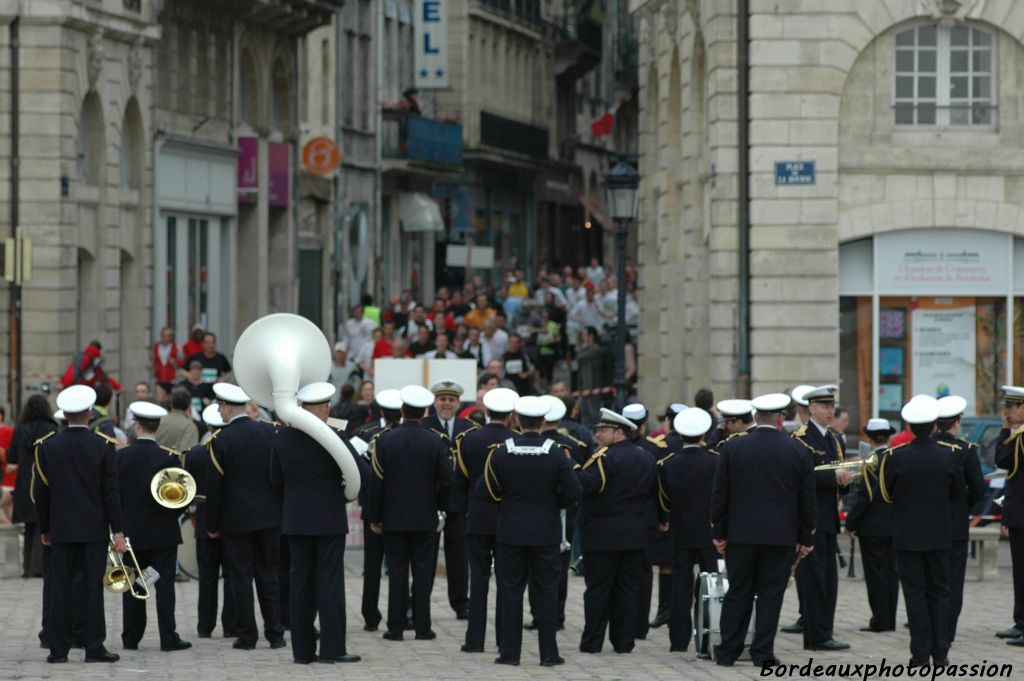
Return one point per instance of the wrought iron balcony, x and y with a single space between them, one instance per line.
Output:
410 136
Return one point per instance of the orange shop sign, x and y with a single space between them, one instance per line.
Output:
321 155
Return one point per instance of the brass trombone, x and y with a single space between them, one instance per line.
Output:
870 463
173 487
121 578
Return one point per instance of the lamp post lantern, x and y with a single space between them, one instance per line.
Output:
622 182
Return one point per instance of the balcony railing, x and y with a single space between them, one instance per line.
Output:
411 136
522 138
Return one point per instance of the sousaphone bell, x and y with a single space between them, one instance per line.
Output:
173 487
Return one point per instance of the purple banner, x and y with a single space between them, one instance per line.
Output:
248 169
280 162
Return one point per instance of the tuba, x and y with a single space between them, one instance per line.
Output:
173 487
274 357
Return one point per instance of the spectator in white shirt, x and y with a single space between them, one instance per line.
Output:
418 318
547 286
595 273
440 350
493 340
588 312
358 331
473 345
364 358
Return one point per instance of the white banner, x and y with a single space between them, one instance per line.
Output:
943 262
944 341
430 22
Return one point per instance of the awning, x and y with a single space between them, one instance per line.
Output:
419 213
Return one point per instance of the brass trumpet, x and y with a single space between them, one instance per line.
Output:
870 463
173 487
121 578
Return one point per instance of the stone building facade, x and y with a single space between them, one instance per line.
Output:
894 265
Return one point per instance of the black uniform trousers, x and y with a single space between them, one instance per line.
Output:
882 581
373 559
645 590
455 561
75 602
253 556
1017 555
284 566
924 576
538 566
482 550
211 557
317 583
165 562
817 581
403 548
65 559
610 601
565 560
680 623
957 573
754 570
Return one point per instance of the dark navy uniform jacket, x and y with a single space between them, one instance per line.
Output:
471 452
197 462
148 524
763 492
869 515
966 456
685 480
530 477
412 478
311 483
824 449
922 481
240 498
459 426
366 433
619 483
716 437
1010 455
76 487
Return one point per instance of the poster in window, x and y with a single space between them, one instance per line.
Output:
890 397
892 324
944 348
890 361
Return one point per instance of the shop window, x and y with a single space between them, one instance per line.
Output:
944 77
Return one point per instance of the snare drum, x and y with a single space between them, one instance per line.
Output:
707 611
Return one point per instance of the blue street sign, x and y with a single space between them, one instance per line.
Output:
794 172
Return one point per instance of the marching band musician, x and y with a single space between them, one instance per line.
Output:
530 477
737 417
154 528
1010 457
951 408
245 508
922 482
817 578
471 451
445 421
210 555
390 403
762 517
801 416
410 486
869 519
618 483
685 479
659 548
79 509
315 524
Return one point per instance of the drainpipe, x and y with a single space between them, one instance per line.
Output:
14 360
340 302
743 249
296 134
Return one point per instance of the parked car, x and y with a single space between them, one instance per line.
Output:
984 430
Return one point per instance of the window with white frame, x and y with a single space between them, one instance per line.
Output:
944 77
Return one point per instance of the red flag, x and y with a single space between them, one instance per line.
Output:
603 125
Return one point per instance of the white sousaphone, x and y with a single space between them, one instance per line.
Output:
274 357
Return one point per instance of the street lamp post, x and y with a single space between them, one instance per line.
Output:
622 182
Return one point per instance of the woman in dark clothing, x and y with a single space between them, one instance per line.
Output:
36 421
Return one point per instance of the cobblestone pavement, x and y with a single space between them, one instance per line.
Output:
987 608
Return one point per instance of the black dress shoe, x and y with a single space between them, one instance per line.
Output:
531 626
678 649
278 643
471 649
177 645
1012 632
768 664
348 659
831 645
370 627
552 662
795 628
204 635
309 660
590 651
660 620
243 645
393 636
129 646
105 656
504 660
462 615
1019 642
426 636
53 659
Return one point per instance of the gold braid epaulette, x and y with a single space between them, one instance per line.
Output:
658 441
664 500
596 458
578 442
459 463
106 437
37 467
489 474
213 457
886 497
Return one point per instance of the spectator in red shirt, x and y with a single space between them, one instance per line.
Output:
194 345
164 363
383 346
86 369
